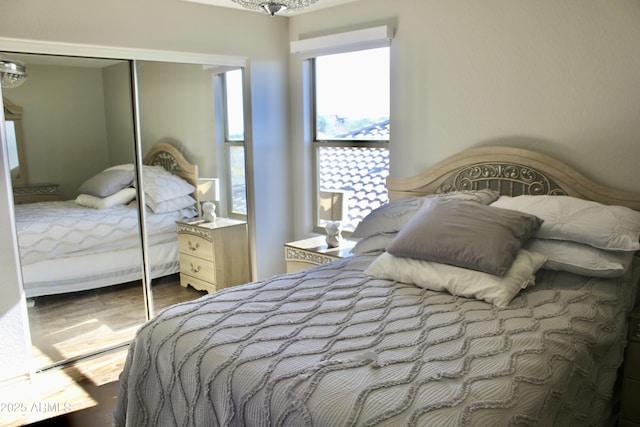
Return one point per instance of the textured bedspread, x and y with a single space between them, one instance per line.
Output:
334 347
55 229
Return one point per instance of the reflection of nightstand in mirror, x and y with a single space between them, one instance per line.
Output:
213 255
307 253
630 400
31 193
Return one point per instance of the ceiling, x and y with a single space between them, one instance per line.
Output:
320 4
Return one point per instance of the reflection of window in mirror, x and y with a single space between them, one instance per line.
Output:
233 106
15 144
12 148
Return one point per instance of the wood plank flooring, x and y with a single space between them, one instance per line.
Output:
82 393
70 325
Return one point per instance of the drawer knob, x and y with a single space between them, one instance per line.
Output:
193 247
194 269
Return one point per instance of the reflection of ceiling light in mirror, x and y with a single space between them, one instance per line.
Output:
274 7
12 73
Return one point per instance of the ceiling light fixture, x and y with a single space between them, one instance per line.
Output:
275 7
12 73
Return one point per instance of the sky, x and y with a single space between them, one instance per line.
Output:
349 84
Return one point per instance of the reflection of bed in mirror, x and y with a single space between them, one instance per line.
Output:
94 240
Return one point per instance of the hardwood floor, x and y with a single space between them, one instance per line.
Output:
70 325
82 393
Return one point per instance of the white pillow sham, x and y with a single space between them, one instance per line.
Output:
160 185
497 290
581 259
172 205
581 221
122 197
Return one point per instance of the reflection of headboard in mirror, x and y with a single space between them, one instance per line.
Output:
15 143
169 157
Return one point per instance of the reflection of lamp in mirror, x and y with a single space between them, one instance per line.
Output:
12 73
208 195
333 210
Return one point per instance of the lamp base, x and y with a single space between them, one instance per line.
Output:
334 236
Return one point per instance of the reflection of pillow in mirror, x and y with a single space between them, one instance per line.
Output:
107 182
581 259
161 185
465 234
122 197
172 205
497 290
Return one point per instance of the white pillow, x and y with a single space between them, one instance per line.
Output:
497 290
172 205
582 221
160 185
581 259
122 197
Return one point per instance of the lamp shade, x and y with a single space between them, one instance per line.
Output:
208 189
333 205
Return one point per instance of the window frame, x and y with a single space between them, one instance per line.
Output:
317 143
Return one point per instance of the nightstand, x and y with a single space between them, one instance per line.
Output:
31 193
307 253
630 404
213 255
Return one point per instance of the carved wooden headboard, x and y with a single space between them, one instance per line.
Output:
511 171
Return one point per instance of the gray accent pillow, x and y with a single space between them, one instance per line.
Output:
378 228
464 234
107 183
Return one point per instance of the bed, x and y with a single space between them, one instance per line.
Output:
94 240
381 338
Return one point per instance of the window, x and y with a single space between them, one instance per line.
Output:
351 121
234 142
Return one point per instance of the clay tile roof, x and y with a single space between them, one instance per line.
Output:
360 170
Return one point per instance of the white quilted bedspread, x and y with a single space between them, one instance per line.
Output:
333 347
55 229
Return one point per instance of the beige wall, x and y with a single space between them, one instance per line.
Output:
176 103
560 77
64 129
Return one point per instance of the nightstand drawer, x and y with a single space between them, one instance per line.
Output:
195 246
198 268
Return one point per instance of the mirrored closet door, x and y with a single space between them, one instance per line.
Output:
95 262
193 108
